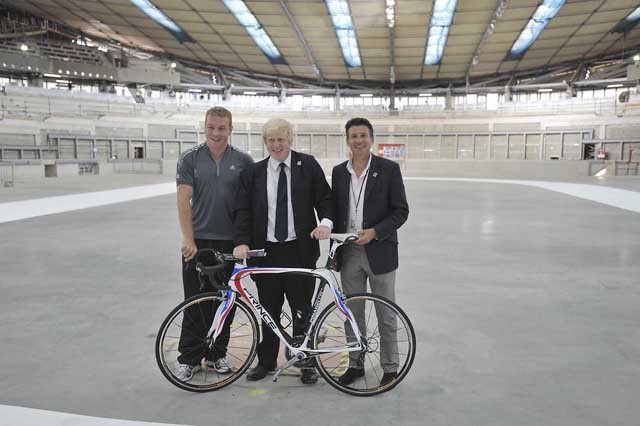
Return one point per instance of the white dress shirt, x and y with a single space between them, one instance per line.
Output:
273 175
356 196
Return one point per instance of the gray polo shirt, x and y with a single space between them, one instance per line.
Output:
214 189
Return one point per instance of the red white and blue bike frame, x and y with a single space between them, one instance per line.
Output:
302 350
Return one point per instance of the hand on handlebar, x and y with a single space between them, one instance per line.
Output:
241 251
366 235
322 232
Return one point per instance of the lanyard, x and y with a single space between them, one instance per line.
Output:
357 202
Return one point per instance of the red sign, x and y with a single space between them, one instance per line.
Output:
394 151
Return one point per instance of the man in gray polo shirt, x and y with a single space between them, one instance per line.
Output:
207 179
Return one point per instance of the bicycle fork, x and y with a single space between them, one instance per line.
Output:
221 315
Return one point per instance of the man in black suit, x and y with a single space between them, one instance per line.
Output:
370 201
275 209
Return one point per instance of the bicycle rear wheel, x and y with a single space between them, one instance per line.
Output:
386 333
182 340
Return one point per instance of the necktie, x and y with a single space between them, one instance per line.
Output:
282 226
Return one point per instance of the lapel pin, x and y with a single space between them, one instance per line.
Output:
375 174
299 163
233 167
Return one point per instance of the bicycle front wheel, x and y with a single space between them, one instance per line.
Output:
182 342
387 336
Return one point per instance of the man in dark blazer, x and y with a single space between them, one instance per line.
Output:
275 209
369 200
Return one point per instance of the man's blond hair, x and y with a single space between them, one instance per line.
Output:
280 125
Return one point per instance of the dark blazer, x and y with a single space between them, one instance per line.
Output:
309 191
385 209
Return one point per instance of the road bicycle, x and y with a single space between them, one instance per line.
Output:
358 329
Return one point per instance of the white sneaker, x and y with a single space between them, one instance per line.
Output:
185 372
221 365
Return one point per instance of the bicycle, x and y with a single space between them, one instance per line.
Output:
328 342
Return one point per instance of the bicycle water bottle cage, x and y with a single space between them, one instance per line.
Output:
210 265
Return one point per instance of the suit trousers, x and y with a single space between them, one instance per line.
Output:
271 292
354 273
198 318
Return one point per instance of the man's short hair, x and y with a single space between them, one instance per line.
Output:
358 121
277 124
218 112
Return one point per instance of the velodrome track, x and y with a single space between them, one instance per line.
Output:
523 295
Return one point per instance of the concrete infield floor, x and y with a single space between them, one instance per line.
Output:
524 301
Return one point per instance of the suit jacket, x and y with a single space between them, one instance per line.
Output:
309 191
385 209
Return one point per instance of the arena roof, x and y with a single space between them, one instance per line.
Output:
299 39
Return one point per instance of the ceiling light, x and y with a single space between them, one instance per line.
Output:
24 47
391 13
250 23
441 18
545 90
345 31
614 86
163 20
173 65
423 95
366 95
250 93
541 18
52 75
636 58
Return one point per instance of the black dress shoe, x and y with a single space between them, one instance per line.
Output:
309 376
257 373
351 375
388 378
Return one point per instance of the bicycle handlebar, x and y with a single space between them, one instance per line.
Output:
344 238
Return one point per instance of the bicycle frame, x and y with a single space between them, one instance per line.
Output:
326 277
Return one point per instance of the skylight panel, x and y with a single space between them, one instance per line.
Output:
346 33
628 23
441 19
167 23
250 23
541 18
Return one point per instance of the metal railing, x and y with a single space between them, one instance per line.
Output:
37 102
25 152
137 166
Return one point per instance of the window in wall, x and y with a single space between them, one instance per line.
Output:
492 101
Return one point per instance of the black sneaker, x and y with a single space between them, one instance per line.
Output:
351 375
